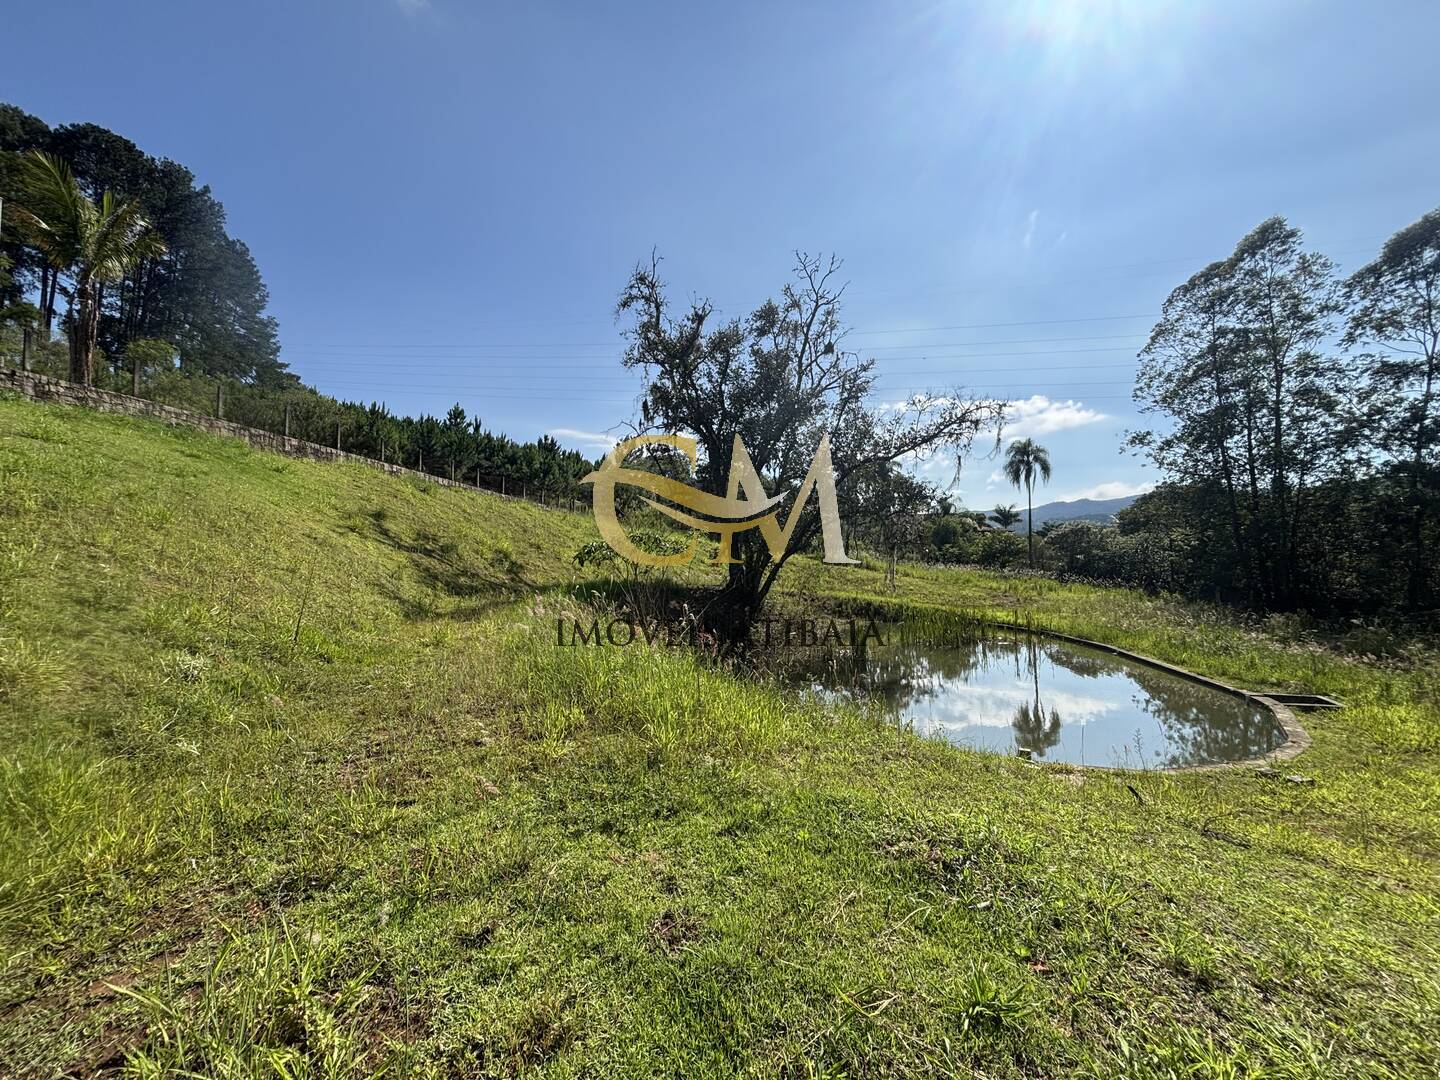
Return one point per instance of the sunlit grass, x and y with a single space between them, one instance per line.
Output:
295 782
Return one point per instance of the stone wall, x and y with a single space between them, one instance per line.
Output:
43 388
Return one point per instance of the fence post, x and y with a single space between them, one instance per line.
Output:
220 401
287 420
337 434
25 349
502 483
477 476
135 377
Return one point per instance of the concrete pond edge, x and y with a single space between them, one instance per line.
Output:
1297 739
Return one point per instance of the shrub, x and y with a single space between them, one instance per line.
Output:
1001 548
944 534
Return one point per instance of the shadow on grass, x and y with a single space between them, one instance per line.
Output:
443 569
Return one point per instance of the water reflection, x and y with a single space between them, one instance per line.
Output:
1063 702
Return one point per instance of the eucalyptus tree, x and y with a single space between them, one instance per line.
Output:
1286 302
1025 462
1257 403
1394 317
780 378
92 242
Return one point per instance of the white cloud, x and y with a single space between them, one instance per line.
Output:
1038 415
1111 489
413 7
939 469
1030 228
587 440
1026 417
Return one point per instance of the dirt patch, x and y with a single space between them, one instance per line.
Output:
674 931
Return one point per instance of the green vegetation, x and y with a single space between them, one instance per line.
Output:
96 242
295 783
176 313
1298 422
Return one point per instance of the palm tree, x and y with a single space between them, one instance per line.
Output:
91 242
1005 516
1024 461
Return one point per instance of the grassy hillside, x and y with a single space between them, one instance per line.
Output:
293 782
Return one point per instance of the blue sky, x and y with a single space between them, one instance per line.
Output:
445 197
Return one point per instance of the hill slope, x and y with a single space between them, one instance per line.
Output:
295 781
1101 511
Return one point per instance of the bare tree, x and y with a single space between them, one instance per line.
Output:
780 378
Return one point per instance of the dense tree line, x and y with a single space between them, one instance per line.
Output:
203 293
456 446
1300 452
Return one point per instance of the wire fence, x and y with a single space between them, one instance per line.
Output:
172 400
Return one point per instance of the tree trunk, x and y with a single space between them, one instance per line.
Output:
731 615
49 278
1279 489
1227 472
1030 520
84 324
1419 577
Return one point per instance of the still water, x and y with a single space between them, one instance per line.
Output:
1064 702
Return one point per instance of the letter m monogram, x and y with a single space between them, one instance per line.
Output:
820 479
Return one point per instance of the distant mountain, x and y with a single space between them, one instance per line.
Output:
1101 511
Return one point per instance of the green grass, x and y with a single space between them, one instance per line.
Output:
293 782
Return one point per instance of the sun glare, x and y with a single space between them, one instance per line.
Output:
1108 27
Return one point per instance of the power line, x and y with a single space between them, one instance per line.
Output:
1017 395
992 326
409 351
469 364
1089 277
940 377
601 381
990 286
549 394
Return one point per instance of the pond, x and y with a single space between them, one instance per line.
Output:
1063 702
